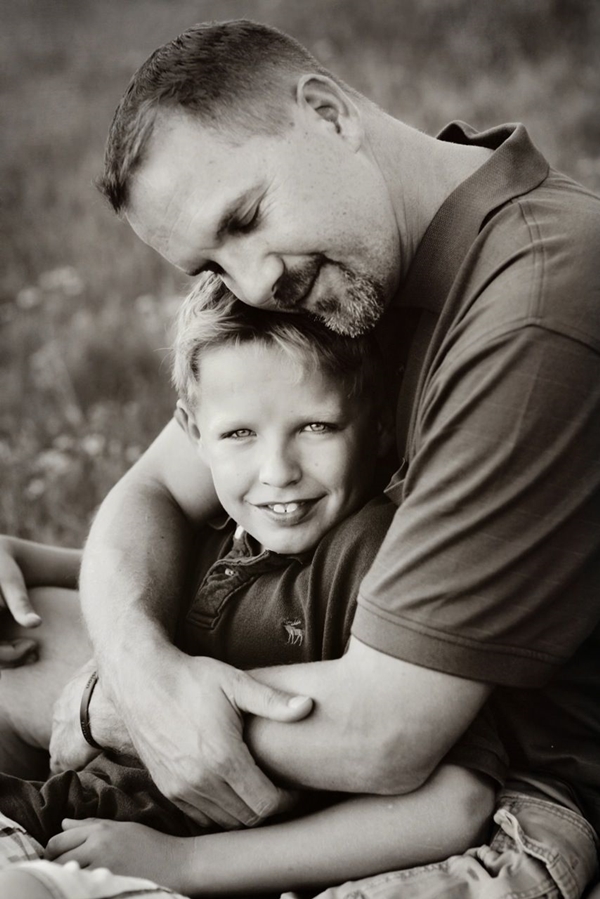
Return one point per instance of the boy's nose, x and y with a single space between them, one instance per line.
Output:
279 469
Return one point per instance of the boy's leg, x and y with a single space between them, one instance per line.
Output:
28 693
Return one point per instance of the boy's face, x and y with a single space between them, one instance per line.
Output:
290 454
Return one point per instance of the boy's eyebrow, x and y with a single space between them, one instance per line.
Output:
229 215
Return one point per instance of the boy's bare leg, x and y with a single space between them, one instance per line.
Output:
28 693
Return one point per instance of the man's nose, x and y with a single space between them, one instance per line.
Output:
253 278
279 467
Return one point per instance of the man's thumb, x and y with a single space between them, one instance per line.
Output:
267 702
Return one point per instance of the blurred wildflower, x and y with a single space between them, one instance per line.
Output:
28 298
53 462
35 488
93 444
64 442
133 453
65 280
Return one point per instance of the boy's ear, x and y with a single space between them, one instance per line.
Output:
186 420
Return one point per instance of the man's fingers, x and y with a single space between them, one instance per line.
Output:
15 653
251 696
260 798
17 602
211 814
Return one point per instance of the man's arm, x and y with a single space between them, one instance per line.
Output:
380 725
373 711
182 714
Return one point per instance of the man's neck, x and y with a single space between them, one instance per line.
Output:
421 173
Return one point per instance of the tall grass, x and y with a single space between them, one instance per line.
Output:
84 306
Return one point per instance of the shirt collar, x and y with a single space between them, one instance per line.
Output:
515 167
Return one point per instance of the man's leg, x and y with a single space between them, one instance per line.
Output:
48 880
28 693
541 850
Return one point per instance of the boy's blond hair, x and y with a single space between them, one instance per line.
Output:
211 316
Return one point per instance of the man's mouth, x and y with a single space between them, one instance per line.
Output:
295 287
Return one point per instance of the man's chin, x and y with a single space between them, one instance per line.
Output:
354 305
351 321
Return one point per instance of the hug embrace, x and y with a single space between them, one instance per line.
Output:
337 630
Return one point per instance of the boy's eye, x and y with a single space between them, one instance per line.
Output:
319 427
239 434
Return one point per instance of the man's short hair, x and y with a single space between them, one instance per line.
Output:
212 317
232 76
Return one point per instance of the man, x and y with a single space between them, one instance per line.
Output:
233 150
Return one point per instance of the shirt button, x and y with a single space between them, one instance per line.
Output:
229 572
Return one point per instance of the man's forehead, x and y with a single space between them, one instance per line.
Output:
187 187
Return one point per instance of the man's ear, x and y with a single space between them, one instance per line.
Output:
186 420
321 95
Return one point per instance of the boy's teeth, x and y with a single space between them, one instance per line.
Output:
282 508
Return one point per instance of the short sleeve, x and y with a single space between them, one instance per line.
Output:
490 569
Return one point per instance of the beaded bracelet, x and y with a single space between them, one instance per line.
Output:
84 710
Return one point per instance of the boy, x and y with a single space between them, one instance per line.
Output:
288 417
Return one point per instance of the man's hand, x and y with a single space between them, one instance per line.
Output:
13 591
187 725
68 748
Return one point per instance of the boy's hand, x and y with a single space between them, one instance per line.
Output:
13 591
124 848
187 726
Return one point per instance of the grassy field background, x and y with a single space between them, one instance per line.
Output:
85 308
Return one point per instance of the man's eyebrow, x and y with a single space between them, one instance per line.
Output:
229 216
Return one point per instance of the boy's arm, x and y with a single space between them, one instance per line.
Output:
25 564
355 838
361 836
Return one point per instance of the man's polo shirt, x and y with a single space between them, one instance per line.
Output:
491 567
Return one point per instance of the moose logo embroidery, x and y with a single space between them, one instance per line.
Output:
295 634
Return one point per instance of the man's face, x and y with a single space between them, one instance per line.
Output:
290 454
297 221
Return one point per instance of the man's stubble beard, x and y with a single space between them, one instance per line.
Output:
353 311
359 308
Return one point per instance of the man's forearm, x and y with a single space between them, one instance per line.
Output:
136 557
380 725
132 573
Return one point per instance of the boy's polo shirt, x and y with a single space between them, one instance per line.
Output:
253 608
491 567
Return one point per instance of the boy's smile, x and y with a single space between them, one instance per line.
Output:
290 454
